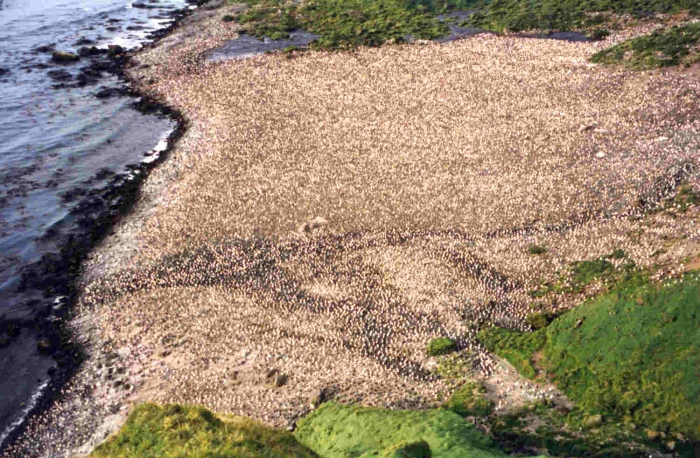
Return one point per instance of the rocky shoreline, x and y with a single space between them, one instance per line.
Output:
95 215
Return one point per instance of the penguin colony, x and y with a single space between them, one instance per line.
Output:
333 212
325 216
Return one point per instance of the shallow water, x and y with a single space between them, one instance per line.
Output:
61 148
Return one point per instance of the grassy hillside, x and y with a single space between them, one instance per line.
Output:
340 431
663 48
518 15
632 354
178 431
332 431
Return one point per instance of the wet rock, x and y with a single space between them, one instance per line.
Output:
90 51
62 57
82 41
60 75
4 71
112 29
113 20
135 27
85 79
593 421
45 346
143 5
114 50
44 49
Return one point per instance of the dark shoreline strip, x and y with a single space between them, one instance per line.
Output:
58 274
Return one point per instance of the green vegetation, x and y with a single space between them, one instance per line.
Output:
541 427
515 347
441 346
349 23
178 431
567 15
340 431
536 249
632 355
663 48
583 273
539 320
470 401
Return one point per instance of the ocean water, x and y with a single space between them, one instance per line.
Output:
68 137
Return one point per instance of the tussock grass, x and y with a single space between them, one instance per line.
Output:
180 431
336 430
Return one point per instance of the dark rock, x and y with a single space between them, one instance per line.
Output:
85 79
113 29
4 71
60 75
64 57
113 20
89 71
114 50
135 27
44 49
108 92
90 51
82 41
143 5
45 346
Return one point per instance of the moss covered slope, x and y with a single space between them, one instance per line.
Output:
631 354
340 431
178 431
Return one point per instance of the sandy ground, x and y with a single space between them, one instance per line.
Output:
327 214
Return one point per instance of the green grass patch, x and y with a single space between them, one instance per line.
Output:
568 15
470 401
441 346
536 249
539 320
515 347
349 23
663 48
632 354
342 431
579 275
178 431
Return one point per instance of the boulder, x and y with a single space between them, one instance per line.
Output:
62 57
44 49
114 50
60 75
